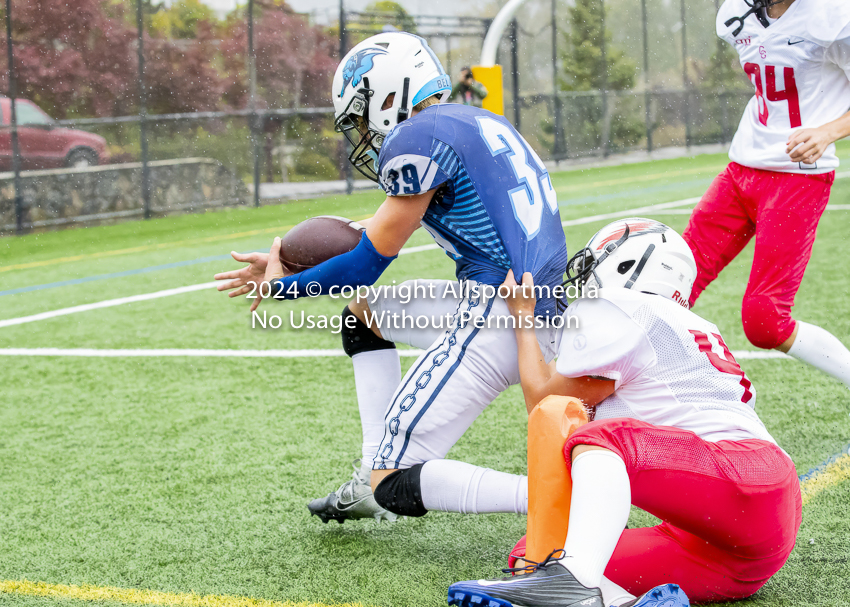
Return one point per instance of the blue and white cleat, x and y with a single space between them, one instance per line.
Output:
546 584
666 595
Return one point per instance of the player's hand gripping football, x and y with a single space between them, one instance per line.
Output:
808 145
520 298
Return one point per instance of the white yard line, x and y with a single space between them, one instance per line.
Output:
105 304
759 354
419 249
664 208
829 207
172 352
209 285
631 212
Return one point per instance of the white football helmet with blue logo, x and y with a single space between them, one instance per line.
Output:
639 254
375 88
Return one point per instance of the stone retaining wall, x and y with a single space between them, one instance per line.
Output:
62 197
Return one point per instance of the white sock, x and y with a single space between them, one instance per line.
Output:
599 512
453 486
613 595
377 374
823 350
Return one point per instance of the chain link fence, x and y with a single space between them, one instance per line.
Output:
617 122
236 110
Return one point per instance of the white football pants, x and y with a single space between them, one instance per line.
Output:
469 358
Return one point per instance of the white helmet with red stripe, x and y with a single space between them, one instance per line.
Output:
639 254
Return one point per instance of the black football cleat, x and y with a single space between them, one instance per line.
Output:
546 584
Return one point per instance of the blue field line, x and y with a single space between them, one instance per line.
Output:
636 191
845 452
77 281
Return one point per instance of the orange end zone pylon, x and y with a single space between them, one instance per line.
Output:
551 422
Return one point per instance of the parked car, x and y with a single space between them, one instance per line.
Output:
44 145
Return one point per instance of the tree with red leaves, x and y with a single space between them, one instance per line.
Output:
295 61
72 61
81 61
180 74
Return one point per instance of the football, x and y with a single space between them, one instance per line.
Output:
318 239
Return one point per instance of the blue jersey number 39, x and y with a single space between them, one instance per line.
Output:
534 191
409 181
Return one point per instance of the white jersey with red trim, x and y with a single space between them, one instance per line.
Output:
670 367
800 67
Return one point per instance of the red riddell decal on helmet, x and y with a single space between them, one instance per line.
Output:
635 229
677 297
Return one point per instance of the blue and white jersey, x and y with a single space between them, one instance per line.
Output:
496 208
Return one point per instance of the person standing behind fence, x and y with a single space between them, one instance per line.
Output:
468 91
797 55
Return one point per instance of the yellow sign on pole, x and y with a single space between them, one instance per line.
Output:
491 78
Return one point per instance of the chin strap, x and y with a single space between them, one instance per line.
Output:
403 112
755 7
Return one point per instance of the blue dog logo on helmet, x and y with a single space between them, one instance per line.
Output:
357 66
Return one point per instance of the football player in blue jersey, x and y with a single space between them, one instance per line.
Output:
471 180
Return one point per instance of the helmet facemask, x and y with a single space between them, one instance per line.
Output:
755 7
583 264
365 141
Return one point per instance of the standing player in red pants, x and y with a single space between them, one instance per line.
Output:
797 54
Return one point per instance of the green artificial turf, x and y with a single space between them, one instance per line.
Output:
193 474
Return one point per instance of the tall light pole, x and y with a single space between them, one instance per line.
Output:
685 78
343 49
606 121
556 101
143 110
647 96
252 103
13 121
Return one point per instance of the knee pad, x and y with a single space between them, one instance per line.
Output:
401 493
360 338
766 323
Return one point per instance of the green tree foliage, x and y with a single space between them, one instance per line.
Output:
724 71
722 90
391 13
588 68
585 68
181 19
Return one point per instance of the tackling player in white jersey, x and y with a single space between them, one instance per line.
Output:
675 433
797 55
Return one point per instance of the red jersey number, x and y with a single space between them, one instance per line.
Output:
766 91
753 70
724 365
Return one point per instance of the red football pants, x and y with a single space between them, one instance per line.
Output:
782 210
730 510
